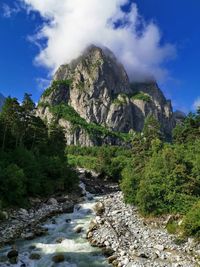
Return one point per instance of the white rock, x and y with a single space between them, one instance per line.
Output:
52 201
159 247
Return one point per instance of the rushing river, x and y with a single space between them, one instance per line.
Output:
74 246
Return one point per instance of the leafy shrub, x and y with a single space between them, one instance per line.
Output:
191 224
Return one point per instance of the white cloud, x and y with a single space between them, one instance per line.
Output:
72 25
196 103
42 83
8 11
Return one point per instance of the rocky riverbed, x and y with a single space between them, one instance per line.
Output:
128 240
25 223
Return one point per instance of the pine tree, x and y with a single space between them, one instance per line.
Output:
11 117
151 130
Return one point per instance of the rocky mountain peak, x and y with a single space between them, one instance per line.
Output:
96 91
96 68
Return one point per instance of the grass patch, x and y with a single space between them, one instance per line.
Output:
141 96
120 100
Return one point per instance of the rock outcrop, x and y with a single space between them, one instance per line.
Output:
94 101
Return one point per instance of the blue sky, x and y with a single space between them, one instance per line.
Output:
178 21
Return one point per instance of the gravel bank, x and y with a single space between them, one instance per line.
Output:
128 240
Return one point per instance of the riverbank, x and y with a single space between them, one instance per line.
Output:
26 223
64 241
132 242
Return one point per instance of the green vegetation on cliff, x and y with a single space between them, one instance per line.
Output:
56 86
141 96
68 113
122 99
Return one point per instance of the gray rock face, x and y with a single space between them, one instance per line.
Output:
100 92
179 117
2 99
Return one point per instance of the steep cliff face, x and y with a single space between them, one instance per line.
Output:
93 100
2 99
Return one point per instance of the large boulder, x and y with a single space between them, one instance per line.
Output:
99 208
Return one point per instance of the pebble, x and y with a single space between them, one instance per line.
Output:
136 243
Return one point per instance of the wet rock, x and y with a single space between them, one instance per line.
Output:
107 252
32 247
12 254
53 221
58 258
99 208
60 240
40 231
13 260
28 236
78 229
89 235
112 258
68 220
92 226
68 208
35 256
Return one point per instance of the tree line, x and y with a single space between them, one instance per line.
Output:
32 155
157 176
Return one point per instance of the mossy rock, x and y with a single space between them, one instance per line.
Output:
58 258
35 256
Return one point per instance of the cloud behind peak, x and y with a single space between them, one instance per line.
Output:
72 25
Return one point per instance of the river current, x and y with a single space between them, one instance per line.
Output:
74 246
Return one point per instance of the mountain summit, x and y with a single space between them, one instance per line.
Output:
94 101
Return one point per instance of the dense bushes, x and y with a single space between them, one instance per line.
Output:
191 223
165 178
106 160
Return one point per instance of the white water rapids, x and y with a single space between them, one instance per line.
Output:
75 247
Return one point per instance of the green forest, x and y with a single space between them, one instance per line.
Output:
158 177
32 156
